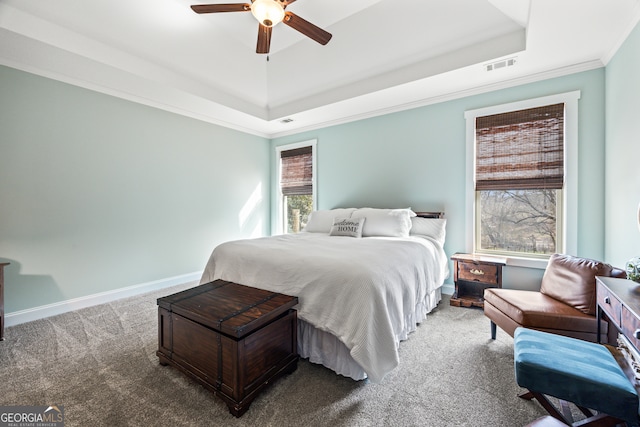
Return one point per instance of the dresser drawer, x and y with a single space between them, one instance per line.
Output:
631 327
478 272
610 304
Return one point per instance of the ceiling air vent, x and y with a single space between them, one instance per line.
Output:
503 63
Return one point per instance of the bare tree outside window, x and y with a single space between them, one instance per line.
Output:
518 221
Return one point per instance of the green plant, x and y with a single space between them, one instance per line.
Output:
303 205
633 269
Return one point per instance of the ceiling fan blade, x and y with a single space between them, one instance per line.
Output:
306 28
215 8
286 3
264 38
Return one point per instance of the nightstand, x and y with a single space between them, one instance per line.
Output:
472 274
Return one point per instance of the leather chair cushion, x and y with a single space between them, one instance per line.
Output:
572 280
536 310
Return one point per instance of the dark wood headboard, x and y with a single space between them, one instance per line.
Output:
430 214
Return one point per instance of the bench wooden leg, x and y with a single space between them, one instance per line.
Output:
547 405
493 330
597 420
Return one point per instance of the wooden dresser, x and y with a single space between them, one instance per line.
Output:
472 274
619 301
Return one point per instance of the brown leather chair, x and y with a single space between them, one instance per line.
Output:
565 304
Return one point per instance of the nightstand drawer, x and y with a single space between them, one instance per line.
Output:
478 272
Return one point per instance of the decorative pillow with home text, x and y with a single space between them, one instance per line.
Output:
351 227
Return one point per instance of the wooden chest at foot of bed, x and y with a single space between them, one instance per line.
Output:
233 339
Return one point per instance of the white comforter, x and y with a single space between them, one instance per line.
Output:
367 291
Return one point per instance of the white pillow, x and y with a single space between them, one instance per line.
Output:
429 227
351 227
385 222
322 220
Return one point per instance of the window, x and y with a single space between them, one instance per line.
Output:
522 169
297 185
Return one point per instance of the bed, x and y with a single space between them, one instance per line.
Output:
365 279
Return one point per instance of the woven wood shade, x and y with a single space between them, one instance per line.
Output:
297 171
521 149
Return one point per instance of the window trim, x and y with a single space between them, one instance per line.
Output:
570 191
280 229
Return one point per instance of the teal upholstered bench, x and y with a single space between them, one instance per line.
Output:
576 371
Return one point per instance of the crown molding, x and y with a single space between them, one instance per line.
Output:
546 75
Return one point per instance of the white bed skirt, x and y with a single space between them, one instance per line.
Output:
325 349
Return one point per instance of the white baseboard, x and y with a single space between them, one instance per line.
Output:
35 313
43 311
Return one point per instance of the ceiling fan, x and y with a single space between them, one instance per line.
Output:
269 13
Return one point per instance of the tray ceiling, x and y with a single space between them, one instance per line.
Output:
385 55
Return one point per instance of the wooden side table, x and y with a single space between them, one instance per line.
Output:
2 265
472 274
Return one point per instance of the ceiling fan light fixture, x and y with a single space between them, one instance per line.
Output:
267 12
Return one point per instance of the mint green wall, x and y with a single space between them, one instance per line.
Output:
622 180
417 158
98 193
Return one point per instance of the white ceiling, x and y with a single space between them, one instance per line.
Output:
385 55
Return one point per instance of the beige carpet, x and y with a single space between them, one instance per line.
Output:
100 364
